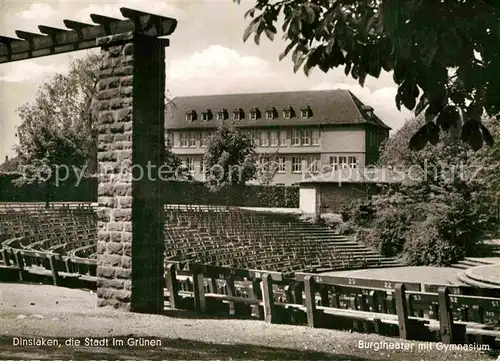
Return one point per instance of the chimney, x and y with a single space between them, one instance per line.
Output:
6 158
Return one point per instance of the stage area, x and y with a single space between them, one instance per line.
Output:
421 274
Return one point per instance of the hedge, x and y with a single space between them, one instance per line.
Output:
175 192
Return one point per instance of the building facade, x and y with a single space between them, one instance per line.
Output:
300 132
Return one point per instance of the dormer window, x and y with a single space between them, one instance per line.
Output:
270 113
287 113
305 112
368 110
221 115
190 116
237 114
206 115
254 114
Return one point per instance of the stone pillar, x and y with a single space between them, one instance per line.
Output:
131 148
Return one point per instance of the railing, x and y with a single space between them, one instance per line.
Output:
451 314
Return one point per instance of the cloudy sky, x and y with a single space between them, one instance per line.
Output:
206 56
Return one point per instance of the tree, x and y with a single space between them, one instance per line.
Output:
440 192
60 126
229 159
489 159
443 55
267 168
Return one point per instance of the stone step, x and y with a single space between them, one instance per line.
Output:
473 274
480 261
459 265
463 277
469 263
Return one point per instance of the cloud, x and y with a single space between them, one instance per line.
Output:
37 11
112 9
29 70
381 99
217 62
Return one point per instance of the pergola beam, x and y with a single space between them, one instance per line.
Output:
81 36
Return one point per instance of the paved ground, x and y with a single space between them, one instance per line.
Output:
421 274
489 273
40 311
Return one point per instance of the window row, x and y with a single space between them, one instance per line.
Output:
338 162
299 164
253 114
273 138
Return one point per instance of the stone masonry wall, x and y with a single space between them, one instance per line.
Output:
131 141
114 235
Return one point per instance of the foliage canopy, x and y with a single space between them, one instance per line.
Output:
443 55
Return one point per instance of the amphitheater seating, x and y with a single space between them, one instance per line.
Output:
265 241
252 263
39 239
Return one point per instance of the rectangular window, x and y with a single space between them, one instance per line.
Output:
287 114
189 164
264 139
313 164
202 166
184 139
334 163
236 115
296 138
205 116
264 163
343 162
353 162
296 164
192 139
189 117
269 114
281 165
273 138
315 137
177 140
220 116
304 113
253 138
283 141
253 115
306 137
203 139
170 139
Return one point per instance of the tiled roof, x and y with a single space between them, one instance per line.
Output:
358 175
10 166
337 107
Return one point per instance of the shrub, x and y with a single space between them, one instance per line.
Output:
346 213
387 231
360 212
347 228
426 246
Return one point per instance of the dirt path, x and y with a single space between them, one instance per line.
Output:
50 313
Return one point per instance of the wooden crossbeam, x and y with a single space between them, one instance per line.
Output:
7 44
105 21
81 36
50 31
53 33
30 37
160 24
5 40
